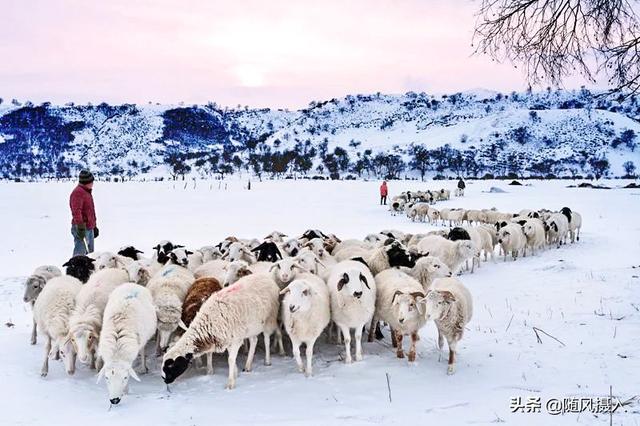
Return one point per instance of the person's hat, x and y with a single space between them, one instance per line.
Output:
85 177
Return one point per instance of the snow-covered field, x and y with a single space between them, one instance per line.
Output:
586 295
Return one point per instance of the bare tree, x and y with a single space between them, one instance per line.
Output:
554 38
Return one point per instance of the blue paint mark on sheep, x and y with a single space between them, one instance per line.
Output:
167 272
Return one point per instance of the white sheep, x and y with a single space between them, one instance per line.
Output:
128 324
185 258
141 271
557 228
238 312
33 287
574 226
350 243
477 216
534 232
169 288
225 272
305 314
452 253
85 322
352 292
450 305
433 215
108 259
512 240
310 262
291 247
283 271
51 312
396 297
238 251
427 269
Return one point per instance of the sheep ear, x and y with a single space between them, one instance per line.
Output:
54 350
100 374
187 252
364 280
178 246
447 296
417 294
182 325
397 293
139 251
320 263
274 266
343 281
224 255
65 264
284 291
298 266
421 304
133 374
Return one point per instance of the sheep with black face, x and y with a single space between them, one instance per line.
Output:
80 267
268 251
228 317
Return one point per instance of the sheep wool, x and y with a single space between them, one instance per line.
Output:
129 322
352 292
52 311
305 314
238 312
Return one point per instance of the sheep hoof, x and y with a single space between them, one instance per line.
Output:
358 357
246 370
230 386
400 354
267 363
33 341
43 373
450 370
412 357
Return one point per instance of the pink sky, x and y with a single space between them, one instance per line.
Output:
273 53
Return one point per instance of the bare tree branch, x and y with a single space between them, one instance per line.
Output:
552 39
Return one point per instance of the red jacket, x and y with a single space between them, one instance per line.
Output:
383 190
82 209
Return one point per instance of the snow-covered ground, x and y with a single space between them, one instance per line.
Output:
586 295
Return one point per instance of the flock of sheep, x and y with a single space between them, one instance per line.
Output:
107 306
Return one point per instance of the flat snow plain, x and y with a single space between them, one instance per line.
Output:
587 295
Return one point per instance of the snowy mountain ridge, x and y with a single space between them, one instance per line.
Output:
558 133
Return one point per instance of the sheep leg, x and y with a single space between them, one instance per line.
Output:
394 344
358 337
253 342
267 348
398 340
34 333
233 368
143 361
279 339
372 327
452 355
309 352
92 362
347 343
412 349
45 365
209 362
295 346
440 345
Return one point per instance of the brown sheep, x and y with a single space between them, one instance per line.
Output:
199 292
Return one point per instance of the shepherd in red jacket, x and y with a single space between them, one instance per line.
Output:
383 193
83 223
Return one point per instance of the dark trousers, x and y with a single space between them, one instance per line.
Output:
383 200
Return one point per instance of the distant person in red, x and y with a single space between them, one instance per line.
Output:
83 223
383 193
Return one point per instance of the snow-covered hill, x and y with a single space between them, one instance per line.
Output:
473 133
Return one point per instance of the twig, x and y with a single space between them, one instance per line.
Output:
536 329
388 386
509 325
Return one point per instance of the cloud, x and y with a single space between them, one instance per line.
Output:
277 53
